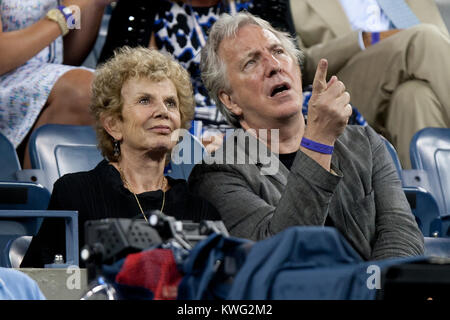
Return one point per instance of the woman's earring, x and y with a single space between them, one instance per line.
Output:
116 148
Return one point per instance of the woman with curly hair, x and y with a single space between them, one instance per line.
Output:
140 98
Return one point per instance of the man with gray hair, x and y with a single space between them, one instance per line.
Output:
328 173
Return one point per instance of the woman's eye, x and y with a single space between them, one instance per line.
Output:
144 101
171 104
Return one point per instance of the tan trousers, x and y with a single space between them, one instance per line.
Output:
402 84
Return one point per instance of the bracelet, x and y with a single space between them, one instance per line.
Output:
67 13
57 16
375 37
316 146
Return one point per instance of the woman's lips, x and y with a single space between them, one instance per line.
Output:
161 129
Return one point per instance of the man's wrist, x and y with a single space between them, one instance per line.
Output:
316 146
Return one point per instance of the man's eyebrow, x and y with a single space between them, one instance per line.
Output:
276 45
253 53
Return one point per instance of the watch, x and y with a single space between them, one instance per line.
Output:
57 16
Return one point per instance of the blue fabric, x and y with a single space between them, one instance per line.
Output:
355 119
204 277
399 13
16 285
306 263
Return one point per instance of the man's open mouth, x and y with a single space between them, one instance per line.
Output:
278 89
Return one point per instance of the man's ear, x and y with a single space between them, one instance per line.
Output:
229 103
113 126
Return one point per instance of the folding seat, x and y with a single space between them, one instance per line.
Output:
430 155
423 204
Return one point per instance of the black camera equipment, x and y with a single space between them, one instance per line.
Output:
109 240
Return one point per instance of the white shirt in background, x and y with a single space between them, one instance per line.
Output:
365 15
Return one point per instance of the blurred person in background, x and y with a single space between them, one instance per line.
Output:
40 42
392 56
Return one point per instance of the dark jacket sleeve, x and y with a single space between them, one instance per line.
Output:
397 231
237 196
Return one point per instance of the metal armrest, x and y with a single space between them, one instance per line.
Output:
18 223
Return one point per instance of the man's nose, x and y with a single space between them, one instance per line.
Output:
273 65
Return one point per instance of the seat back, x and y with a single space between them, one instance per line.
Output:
423 204
9 162
23 196
425 210
19 223
61 149
185 155
430 151
437 247
394 156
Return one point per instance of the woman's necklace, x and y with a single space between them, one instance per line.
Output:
127 185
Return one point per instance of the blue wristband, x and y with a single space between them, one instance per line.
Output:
375 37
316 146
66 12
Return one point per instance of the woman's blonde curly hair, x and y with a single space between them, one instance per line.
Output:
129 63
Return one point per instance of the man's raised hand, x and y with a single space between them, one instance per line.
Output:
329 108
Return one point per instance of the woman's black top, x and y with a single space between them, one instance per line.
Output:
100 194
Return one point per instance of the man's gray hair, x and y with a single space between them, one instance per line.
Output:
213 68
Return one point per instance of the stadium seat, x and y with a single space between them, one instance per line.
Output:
9 162
19 190
430 153
394 156
425 210
437 247
19 223
185 155
16 193
422 203
23 196
60 149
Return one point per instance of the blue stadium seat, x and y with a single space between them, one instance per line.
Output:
394 156
422 203
430 153
185 155
23 196
19 223
9 162
17 193
437 247
425 210
19 190
60 149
